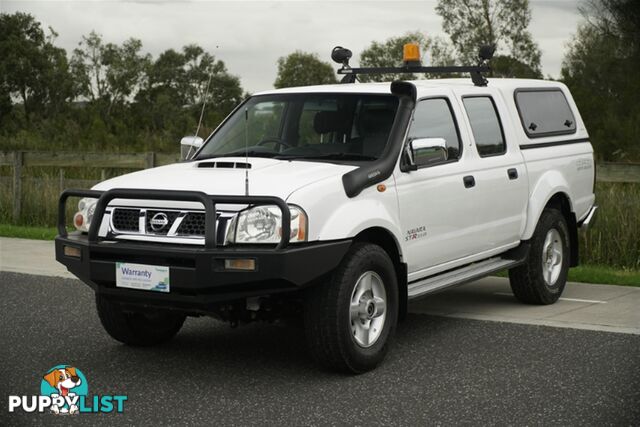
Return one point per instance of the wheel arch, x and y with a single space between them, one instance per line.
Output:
562 202
386 240
551 187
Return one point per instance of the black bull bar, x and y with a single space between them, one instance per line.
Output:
208 201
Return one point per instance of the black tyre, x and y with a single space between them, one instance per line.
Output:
137 328
349 321
542 278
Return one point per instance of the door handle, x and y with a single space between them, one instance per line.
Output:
469 181
513 173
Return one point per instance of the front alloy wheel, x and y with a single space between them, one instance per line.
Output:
368 309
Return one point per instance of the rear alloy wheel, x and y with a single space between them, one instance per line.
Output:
542 278
552 254
349 321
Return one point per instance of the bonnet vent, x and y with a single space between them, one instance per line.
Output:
225 165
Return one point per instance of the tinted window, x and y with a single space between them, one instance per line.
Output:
545 112
433 119
485 125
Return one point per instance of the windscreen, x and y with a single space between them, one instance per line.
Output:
306 126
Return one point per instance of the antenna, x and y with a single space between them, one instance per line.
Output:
246 151
204 104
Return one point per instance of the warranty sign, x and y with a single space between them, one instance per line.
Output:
143 277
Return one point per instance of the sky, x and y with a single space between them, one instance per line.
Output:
250 36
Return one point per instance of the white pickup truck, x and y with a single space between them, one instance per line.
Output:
336 205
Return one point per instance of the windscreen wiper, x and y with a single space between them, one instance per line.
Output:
250 153
329 156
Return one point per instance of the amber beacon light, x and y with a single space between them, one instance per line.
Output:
411 54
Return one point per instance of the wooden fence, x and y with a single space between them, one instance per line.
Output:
606 172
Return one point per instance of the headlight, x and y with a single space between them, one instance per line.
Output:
263 224
86 209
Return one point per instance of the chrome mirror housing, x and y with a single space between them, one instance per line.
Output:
428 151
189 145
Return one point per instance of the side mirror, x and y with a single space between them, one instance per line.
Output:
189 145
427 151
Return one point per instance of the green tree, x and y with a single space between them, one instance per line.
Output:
32 69
175 87
107 72
224 90
435 51
503 23
303 69
600 68
509 67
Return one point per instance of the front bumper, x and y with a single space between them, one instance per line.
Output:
197 275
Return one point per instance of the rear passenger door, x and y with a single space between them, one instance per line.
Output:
501 188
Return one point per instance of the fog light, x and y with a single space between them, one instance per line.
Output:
72 251
240 264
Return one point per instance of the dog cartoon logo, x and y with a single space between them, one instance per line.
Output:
66 382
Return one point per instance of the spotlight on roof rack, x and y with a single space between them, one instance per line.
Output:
341 55
486 52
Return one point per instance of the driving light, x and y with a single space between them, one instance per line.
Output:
240 264
263 224
82 218
411 54
72 251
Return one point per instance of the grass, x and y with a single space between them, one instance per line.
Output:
599 274
35 233
584 273
605 275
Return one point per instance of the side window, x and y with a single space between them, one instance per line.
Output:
485 124
544 112
433 118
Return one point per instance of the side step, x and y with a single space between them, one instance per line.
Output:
459 276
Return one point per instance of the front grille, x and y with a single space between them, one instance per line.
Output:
192 224
126 219
159 223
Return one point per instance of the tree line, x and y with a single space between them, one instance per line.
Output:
105 96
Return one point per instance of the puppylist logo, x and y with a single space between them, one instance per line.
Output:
64 391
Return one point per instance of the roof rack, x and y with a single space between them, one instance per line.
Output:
412 64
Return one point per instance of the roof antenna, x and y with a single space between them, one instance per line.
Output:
204 104
246 151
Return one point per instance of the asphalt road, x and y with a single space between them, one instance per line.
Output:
440 370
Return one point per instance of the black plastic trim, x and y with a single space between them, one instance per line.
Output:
553 143
365 176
